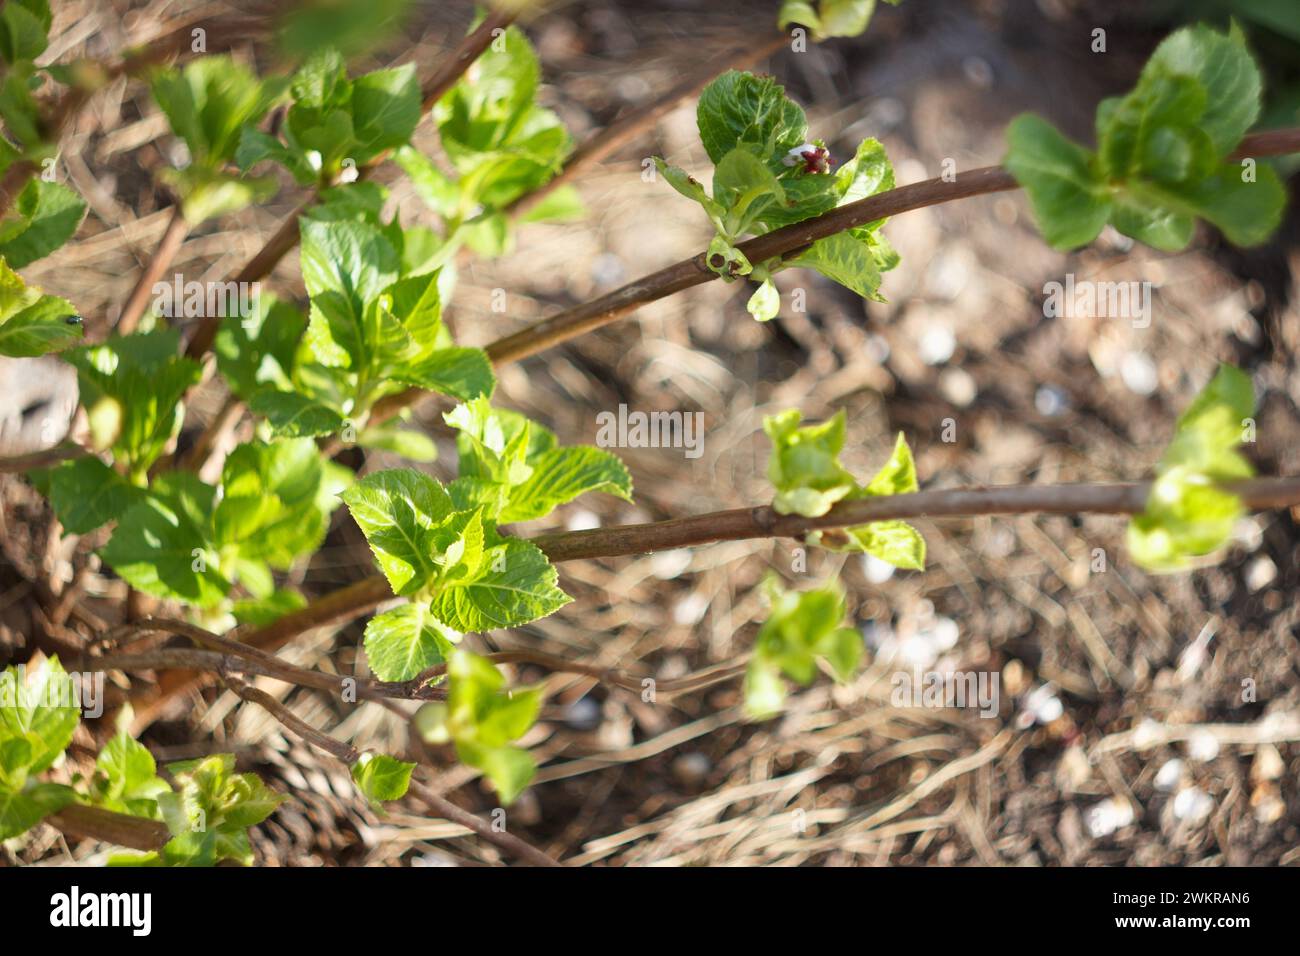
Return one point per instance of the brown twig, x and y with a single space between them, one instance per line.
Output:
234 655
41 459
681 685
331 745
184 658
763 522
170 244
469 50
508 842
786 241
255 695
118 829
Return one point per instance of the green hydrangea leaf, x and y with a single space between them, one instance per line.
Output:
294 415
741 108
32 323
404 641
39 709
801 628
514 585
46 215
87 494
1070 203
1187 514
381 777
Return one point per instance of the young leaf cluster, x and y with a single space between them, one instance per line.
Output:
501 145
373 330
32 323
38 715
767 175
481 717
336 122
806 471
803 627
1162 155
208 812
441 547
829 18
1187 513
45 214
208 103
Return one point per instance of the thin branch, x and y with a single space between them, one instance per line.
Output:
508 842
256 269
170 244
225 419
786 241
191 659
469 50
333 745
350 755
317 738
41 459
763 522
236 655
681 685
105 826
365 595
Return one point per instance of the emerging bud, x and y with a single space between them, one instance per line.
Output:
815 157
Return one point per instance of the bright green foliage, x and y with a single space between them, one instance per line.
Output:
24 26
1187 513
126 778
136 383
189 541
806 471
502 145
1162 159
460 573
208 103
87 494
24 30
275 506
373 331
258 350
44 217
802 627
441 547
337 122
209 814
38 714
481 717
32 323
768 175
517 471
829 18
381 777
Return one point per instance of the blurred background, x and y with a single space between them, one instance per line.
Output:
1125 733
